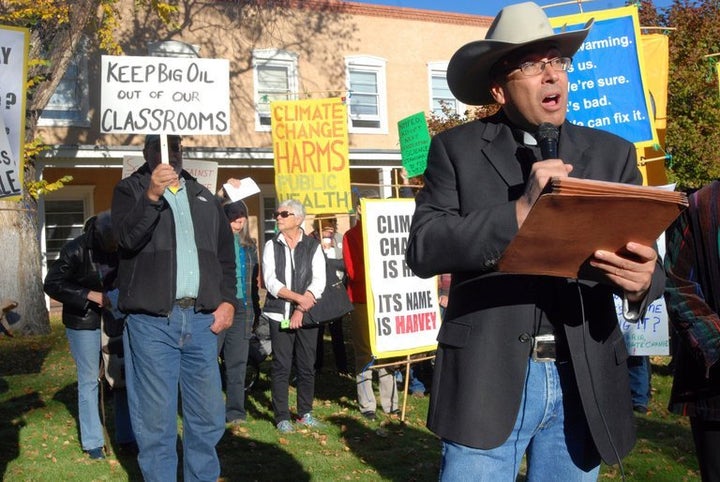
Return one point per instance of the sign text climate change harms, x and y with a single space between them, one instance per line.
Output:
405 311
310 145
164 95
605 80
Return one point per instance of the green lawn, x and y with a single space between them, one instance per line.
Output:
39 435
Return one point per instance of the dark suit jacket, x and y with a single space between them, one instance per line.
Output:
465 217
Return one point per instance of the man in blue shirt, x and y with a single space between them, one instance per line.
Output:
177 284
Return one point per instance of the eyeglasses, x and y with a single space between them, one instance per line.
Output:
282 214
559 64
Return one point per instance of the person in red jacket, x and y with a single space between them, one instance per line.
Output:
353 256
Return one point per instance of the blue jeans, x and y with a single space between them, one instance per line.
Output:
160 354
639 371
123 427
85 349
233 347
550 427
415 385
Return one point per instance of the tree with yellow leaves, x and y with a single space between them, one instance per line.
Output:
56 28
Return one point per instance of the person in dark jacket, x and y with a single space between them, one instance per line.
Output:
234 343
79 279
177 284
325 231
526 364
692 293
294 273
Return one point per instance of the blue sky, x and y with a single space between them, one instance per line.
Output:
491 7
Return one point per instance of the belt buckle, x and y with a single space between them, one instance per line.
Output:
544 348
185 303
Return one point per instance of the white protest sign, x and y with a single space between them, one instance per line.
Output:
205 171
14 44
649 336
131 164
165 95
403 309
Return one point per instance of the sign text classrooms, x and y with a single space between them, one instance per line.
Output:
312 160
165 95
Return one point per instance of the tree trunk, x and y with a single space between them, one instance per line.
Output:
20 276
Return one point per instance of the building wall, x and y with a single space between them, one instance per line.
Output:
322 34
406 38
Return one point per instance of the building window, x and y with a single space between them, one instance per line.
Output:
269 222
66 211
440 95
69 104
275 77
367 98
173 48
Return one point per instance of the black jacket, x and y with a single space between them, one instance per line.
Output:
79 270
464 219
302 269
145 231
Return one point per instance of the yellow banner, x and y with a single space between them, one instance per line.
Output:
312 155
656 60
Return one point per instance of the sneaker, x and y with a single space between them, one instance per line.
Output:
369 415
96 454
285 426
640 409
309 421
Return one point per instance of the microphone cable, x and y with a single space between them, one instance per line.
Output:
585 336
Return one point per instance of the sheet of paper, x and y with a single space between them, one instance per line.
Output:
247 187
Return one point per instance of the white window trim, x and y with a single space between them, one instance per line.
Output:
276 58
378 66
173 48
440 67
83 84
84 193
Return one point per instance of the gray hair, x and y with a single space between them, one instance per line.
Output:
296 206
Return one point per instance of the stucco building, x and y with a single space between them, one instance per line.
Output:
387 62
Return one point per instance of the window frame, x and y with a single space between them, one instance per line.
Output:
436 69
59 113
378 67
276 59
82 193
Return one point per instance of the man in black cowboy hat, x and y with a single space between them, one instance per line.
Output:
525 364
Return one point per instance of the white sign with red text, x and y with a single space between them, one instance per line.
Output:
205 171
403 309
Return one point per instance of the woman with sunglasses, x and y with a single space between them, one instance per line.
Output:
294 275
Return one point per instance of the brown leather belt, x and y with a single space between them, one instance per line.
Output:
185 303
544 348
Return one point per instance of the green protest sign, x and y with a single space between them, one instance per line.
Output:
414 143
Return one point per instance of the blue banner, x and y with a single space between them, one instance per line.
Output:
606 77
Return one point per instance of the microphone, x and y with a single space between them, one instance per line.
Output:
547 137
